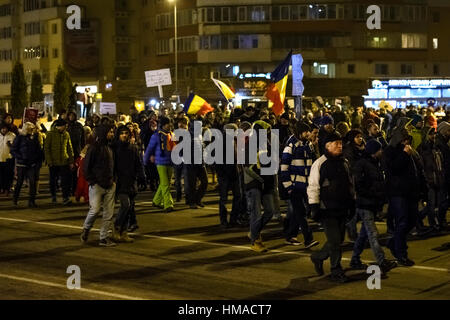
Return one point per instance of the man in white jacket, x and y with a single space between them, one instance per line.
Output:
331 198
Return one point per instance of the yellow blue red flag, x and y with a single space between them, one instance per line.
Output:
276 91
197 105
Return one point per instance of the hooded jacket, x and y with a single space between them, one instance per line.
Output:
402 174
370 184
159 146
98 166
27 150
128 167
433 161
58 148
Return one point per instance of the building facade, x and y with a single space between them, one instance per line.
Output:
238 41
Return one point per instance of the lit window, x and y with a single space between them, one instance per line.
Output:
435 43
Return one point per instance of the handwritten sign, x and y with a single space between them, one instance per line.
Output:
108 108
155 78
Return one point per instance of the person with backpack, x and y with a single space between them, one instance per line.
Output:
159 152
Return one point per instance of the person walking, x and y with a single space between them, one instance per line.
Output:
77 138
28 153
331 198
60 159
129 171
195 171
98 169
403 188
159 152
296 162
259 192
370 196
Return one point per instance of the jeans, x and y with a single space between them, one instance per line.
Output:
368 232
296 217
334 228
87 110
405 212
192 172
258 219
226 183
101 198
66 180
126 207
6 174
162 197
432 207
30 174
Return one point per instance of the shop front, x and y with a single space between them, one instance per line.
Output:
402 92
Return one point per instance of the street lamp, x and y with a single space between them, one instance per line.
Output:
176 44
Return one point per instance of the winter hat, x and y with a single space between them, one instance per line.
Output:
285 116
331 137
351 135
60 123
163 121
123 128
326 120
301 127
372 146
416 119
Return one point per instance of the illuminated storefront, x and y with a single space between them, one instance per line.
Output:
402 92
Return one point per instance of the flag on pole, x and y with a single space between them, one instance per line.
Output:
227 92
197 105
276 92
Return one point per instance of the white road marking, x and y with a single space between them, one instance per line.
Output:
57 285
204 242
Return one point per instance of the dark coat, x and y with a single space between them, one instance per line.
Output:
77 137
370 184
352 153
98 167
402 175
27 151
128 168
433 162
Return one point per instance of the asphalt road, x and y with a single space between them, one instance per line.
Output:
186 255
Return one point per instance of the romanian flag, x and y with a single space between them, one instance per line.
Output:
276 92
227 92
196 105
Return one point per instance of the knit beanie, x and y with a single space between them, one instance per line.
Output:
326 120
331 137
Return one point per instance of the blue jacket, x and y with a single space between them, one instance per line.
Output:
296 162
162 155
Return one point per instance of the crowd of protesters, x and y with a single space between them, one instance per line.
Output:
338 166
